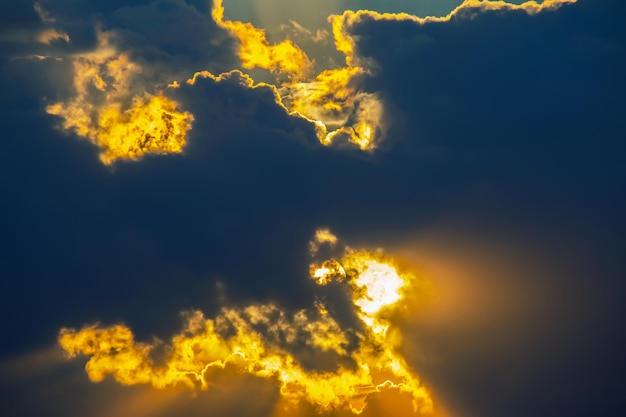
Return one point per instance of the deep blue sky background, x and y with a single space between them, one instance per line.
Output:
508 132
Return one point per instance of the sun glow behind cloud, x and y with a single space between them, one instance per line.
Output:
265 341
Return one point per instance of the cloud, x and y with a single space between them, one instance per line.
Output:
22 32
457 95
512 121
116 97
167 50
43 14
256 52
515 316
332 101
320 36
101 112
50 35
45 36
128 123
223 101
264 341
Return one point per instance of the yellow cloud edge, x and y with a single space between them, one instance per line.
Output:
130 127
101 110
259 340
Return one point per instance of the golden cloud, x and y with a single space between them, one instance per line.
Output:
333 100
48 36
265 341
104 109
255 51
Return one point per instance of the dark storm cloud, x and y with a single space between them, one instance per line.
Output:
512 126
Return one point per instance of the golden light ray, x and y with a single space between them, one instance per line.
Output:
265 341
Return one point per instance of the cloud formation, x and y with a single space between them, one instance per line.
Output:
520 144
256 52
337 102
264 341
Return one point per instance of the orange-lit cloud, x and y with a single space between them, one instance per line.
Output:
255 51
469 8
43 14
342 24
48 36
127 122
267 342
104 109
322 236
333 100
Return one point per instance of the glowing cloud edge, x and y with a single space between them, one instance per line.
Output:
262 340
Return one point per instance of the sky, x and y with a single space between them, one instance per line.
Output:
331 208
